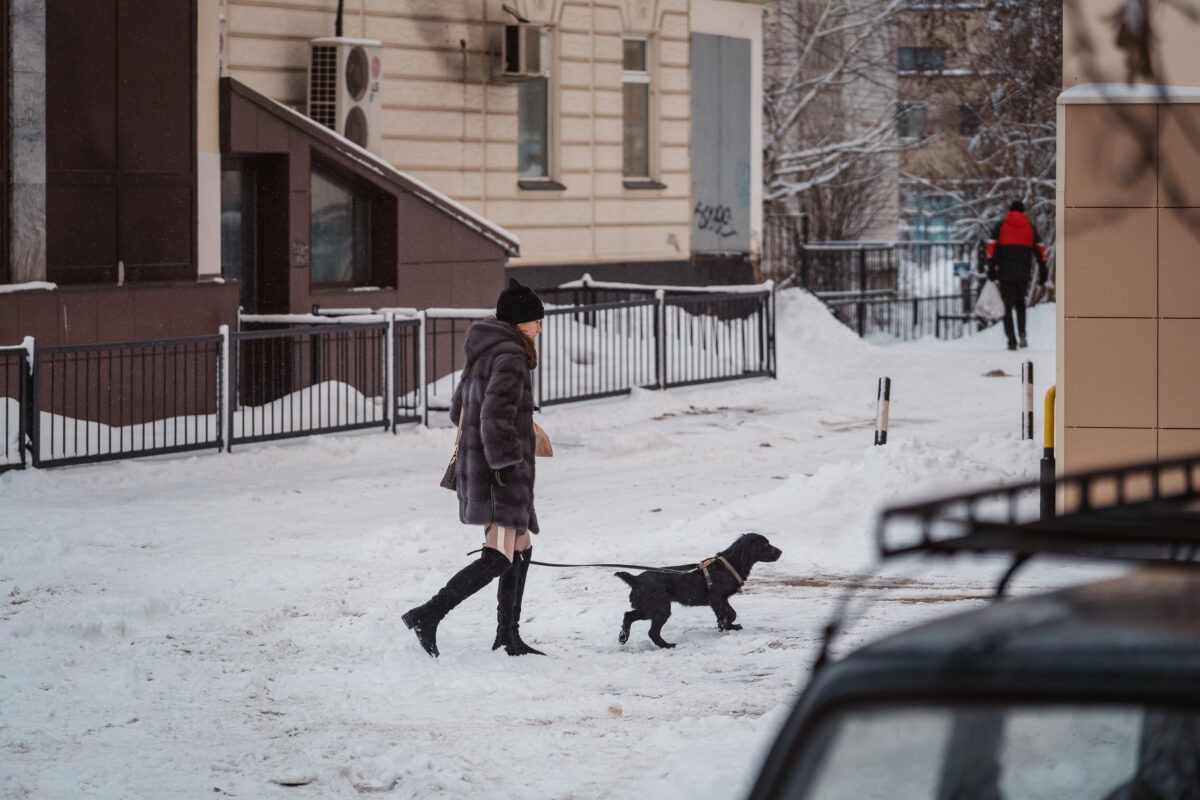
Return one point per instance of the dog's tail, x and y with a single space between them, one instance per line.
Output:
625 576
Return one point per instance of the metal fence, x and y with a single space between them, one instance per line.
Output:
875 316
14 391
312 374
106 401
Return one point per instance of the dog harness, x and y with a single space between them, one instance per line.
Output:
703 567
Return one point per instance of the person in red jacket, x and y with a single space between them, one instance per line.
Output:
1010 255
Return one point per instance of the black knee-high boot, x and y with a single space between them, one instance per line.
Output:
508 607
423 620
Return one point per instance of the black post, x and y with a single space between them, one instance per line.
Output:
1047 481
337 26
804 252
862 292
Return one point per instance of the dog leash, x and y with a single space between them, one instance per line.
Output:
701 567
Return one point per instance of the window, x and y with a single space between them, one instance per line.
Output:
533 124
635 92
239 226
341 232
968 120
910 121
920 59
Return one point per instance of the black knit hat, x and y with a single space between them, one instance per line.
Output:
518 304
1017 205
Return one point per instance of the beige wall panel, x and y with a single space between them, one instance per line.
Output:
440 34
674 132
422 94
1179 373
608 157
297 22
574 103
607 19
431 123
1094 448
402 63
609 131
673 52
1111 373
574 74
502 157
637 241
286 87
631 211
575 17
675 160
609 102
545 209
256 52
574 158
1111 261
421 154
1179 155
574 46
675 25
1106 161
575 131
558 241
1179 262
428 9
501 97
462 186
1178 443
502 131
673 79
676 106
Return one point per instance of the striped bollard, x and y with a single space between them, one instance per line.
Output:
1027 400
883 399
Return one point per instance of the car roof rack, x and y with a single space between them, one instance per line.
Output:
1144 513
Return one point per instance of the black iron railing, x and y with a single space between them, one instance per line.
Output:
299 375
106 401
883 315
308 380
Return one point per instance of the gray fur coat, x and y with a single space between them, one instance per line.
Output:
497 429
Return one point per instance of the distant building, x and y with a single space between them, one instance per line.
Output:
166 163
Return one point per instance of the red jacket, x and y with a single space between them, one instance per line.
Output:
1013 248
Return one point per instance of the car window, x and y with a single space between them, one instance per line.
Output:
1015 752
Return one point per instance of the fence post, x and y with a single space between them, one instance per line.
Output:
804 252
224 393
862 292
28 418
1027 400
660 336
422 344
389 370
883 399
1047 477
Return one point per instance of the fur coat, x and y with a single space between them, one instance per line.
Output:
496 398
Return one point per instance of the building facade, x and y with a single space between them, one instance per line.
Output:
163 168
1128 373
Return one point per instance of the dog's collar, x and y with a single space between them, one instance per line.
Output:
708 579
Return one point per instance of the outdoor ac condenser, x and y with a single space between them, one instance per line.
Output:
343 88
522 53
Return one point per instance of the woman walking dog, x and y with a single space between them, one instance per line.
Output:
495 467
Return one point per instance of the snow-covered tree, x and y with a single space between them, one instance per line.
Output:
830 144
1003 99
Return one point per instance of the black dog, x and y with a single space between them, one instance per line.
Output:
710 583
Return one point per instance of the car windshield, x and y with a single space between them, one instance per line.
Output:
1014 752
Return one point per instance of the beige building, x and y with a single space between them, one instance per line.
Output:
1128 373
581 145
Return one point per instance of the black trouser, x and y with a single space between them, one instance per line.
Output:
1013 295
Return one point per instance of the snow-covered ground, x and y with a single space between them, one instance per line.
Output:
225 625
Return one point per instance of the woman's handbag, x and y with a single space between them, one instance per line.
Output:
450 479
541 442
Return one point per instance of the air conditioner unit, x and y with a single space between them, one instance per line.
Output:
523 52
343 88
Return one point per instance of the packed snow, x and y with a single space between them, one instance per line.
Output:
228 625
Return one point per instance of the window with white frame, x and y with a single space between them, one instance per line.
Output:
533 123
910 121
635 92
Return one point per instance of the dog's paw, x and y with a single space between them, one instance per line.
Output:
623 637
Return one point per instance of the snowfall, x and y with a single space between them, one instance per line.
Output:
228 624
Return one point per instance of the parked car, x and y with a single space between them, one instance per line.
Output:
1085 692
